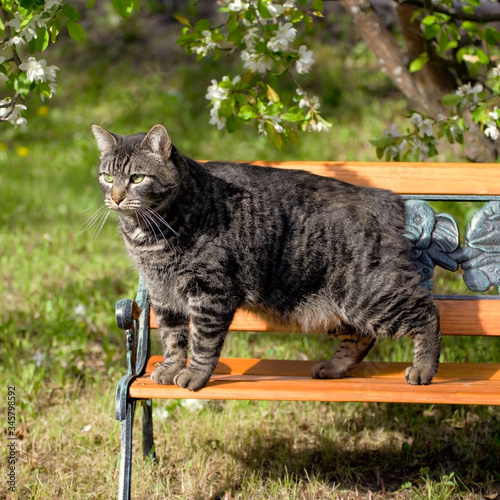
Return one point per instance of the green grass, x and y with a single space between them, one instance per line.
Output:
60 348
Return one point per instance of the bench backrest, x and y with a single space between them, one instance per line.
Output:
478 257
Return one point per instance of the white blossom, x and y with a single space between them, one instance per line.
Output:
206 45
422 149
51 3
494 114
423 125
238 6
470 93
492 131
305 61
274 119
16 40
12 114
397 149
34 69
306 102
317 126
257 62
250 37
282 38
275 9
392 132
215 119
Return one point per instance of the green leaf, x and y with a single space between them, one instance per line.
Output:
469 26
21 83
317 5
32 45
232 123
308 21
418 63
382 142
247 76
263 10
235 36
123 7
70 12
202 25
302 3
54 31
183 20
445 43
431 31
482 56
452 99
29 4
42 39
272 95
296 16
429 20
226 108
479 114
75 31
247 112
273 136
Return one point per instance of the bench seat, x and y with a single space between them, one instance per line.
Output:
281 380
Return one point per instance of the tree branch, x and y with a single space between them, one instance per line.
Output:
487 17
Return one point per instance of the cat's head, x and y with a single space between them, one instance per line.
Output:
136 171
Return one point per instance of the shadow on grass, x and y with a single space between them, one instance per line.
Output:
381 449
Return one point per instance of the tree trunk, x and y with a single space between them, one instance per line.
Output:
423 89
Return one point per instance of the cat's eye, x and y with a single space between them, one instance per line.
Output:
137 178
108 177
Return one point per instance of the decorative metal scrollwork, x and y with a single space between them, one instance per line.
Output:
436 241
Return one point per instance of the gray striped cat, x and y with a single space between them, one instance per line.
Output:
300 250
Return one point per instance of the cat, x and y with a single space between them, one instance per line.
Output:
301 250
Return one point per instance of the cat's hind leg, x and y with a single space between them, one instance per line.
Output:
426 347
354 346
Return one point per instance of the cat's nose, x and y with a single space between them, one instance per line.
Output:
117 199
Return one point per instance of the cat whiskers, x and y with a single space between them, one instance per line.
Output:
98 219
156 219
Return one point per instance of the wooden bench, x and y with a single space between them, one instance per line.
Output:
478 258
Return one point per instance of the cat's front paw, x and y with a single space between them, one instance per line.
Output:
328 370
190 379
164 375
419 376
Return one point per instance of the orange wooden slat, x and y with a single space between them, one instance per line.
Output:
367 369
458 317
407 177
364 384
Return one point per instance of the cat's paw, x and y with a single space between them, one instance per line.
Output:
327 370
419 376
164 375
190 379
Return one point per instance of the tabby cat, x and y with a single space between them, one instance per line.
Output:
301 250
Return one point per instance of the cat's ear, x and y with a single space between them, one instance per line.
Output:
106 141
158 141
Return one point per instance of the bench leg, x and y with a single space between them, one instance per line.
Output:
126 453
148 444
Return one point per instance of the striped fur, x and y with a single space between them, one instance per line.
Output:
310 252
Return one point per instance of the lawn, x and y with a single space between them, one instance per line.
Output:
60 348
